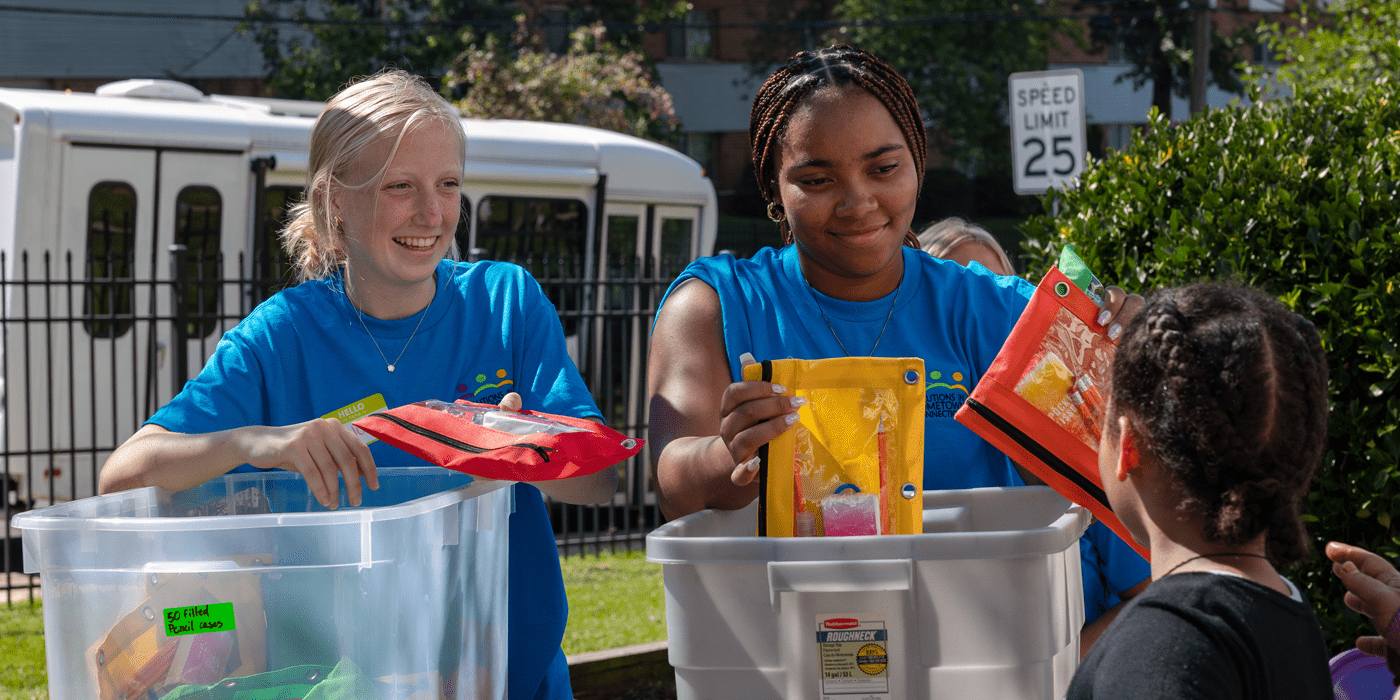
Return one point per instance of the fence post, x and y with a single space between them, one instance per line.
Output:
178 335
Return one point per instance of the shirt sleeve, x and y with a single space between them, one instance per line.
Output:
1172 658
228 393
549 377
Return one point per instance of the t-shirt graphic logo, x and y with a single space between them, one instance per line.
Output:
482 388
943 396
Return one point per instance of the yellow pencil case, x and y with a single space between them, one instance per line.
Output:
853 463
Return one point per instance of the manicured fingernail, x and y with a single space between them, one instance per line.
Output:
1114 331
752 464
1104 316
797 401
790 418
779 389
747 359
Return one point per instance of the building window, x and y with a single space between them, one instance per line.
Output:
546 236
1119 136
1115 52
694 39
199 213
111 242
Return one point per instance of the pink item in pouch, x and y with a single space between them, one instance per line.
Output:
850 514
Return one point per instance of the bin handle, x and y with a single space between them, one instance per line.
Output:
847 576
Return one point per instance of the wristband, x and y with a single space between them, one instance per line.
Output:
1392 632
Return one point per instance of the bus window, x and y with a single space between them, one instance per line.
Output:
198 226
111 239
463 236
676 239
272 269
547 236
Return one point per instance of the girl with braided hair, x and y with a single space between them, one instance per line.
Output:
1216 420
839 151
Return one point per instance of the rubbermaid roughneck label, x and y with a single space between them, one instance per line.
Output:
199 619
855 656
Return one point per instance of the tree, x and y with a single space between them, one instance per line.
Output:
312 48
595 83
1156 37
957 55
1353 45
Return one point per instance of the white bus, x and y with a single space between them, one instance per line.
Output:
99 191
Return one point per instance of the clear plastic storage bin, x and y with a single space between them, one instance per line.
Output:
246 582
987 603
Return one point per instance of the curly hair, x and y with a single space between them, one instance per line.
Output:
383 105
1228 390
806 73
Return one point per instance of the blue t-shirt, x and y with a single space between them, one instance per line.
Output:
489 330
956 318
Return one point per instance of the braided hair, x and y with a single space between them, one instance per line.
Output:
810 71
1228 390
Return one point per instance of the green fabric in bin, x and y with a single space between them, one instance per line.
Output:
344 681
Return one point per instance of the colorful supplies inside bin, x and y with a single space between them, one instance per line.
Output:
191 628
484 441
1042 402
853 464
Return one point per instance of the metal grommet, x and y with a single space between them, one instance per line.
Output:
101 658
628 444
909 490
911 376
1062 289
155 579
148 613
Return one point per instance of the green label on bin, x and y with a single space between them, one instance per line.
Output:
199 619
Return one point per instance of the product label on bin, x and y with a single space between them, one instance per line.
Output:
199 619
374 403
855 656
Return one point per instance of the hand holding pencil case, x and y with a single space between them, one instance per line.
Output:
1042 402
853 463
486 442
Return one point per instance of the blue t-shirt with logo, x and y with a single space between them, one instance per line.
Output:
489 330
956 318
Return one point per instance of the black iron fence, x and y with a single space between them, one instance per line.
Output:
86 356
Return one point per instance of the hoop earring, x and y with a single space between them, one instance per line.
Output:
776 213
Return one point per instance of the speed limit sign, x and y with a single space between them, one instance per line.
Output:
1047 128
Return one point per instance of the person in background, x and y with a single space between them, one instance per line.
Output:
1373 589
839 151
382 317
959 240
1216 422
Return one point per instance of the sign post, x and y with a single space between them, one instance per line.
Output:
1047 129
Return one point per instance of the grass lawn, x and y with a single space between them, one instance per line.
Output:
615 600
22 674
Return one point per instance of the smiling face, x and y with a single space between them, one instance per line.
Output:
847 182
398 226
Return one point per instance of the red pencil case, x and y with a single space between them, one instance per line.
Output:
484 441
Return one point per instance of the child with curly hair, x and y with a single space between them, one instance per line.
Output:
1216 422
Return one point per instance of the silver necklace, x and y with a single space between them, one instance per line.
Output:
390 365
878 338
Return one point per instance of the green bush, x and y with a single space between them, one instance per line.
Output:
1297 197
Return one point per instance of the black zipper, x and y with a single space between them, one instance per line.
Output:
456 444
763 467
1039 452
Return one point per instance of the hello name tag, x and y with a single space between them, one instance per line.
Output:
373 403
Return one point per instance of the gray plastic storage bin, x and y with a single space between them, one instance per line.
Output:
987 603
247 581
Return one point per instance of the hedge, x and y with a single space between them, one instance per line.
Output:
1297 197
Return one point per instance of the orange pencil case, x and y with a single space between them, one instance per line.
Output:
1042 402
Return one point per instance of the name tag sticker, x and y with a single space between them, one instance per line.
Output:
373 403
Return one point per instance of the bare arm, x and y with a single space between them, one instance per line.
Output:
702 426
317 449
